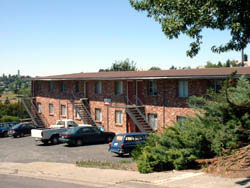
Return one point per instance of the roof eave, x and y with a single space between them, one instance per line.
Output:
144 78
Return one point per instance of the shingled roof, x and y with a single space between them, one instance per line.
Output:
156 74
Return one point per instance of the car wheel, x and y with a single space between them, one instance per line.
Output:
5 134
79 142
54 140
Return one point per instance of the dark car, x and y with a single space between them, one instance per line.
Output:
125 143
4 128
21 130
85 135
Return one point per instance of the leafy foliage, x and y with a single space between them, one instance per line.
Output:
155 68
12 111
125 65
190 17
222 123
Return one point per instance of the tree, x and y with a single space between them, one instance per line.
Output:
221 125
125 65
155 68
190 17
173 68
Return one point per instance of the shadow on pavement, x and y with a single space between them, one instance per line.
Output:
243 182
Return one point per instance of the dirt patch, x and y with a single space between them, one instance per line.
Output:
236 165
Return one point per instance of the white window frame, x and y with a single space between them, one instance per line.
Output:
98 114
118 117
39 107
51 109
152 88
118 87
63 110
153 121
98 87
183 88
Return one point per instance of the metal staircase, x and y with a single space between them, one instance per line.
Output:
37 118
137 114
83 110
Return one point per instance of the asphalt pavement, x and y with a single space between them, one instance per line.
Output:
25 182
26 149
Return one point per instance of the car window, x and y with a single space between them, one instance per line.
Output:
61 123
83 130
119 138
94 130
139 137
72 124
129 139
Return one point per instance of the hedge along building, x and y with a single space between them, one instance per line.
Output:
123 101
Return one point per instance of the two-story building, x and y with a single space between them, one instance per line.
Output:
123 101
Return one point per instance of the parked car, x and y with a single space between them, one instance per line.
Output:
52 134
85 135
125 143
21 130
5 127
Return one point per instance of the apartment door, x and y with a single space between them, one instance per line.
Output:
139 93
131 92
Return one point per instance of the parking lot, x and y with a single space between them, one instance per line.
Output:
26 149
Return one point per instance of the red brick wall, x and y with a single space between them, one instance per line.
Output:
167 105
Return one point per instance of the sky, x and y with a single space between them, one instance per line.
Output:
51 37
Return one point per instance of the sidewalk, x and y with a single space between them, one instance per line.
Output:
118 178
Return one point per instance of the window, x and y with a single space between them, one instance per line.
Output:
39 107
216 85
118 87
181 118
39 86
63 110
118 117
129 139
183 88
63 87
51 109
98 114
51 86
77 115
152 120
152 88
77 86
98 87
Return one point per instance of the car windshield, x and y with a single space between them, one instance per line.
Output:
119 138
17 126
61 123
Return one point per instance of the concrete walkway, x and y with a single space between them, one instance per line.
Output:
110 178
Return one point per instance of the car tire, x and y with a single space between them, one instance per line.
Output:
5 134
54 140
79 142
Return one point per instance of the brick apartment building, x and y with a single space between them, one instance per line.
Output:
123 101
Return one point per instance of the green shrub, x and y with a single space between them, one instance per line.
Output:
222 124
9 118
